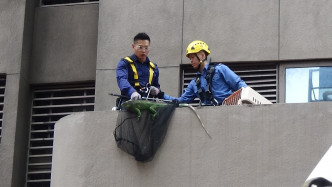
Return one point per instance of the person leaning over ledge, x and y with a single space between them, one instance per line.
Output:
213 83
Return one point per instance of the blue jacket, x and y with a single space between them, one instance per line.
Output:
224 83
125 75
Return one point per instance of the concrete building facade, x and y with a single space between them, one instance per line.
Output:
61 58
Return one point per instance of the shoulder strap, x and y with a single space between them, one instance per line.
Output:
208 93
131 62
199 88
152 66
151 70
209 76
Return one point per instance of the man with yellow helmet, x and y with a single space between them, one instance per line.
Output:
213 83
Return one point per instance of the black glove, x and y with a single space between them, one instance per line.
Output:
175 102
160 95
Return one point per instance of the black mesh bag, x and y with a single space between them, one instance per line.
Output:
142 137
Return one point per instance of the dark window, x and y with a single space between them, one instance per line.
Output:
49 104
56 2
2 98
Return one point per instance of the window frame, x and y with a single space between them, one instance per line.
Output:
297 64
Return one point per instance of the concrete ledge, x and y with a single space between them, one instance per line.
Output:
262 145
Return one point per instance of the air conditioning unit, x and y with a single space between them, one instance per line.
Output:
246 96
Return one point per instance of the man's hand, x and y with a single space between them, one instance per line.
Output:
135 96
154 90
175 102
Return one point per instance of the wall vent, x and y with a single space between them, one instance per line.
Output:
49 104
2 99
60 2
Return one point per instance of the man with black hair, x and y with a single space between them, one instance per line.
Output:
136 75
213 83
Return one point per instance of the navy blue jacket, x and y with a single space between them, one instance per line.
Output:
125 75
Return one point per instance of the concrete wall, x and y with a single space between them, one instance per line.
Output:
16 23
257 30
65 44
234 30
11 35
46 45
262 145
305 29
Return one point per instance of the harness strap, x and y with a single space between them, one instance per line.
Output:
199 88
208 93
152 66
131 62
209 76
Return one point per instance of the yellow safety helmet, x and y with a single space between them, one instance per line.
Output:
196 46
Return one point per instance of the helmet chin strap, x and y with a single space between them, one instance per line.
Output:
200 61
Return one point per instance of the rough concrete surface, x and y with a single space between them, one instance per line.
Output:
262 145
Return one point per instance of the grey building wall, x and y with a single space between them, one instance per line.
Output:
262 145
305 28
16 23
234 30
65 44
42 45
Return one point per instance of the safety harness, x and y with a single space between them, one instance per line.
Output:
136 82
142 89
208 93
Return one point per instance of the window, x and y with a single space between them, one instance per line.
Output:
57 2
49 104
2 98
308 84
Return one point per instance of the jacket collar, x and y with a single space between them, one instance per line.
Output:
134 58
